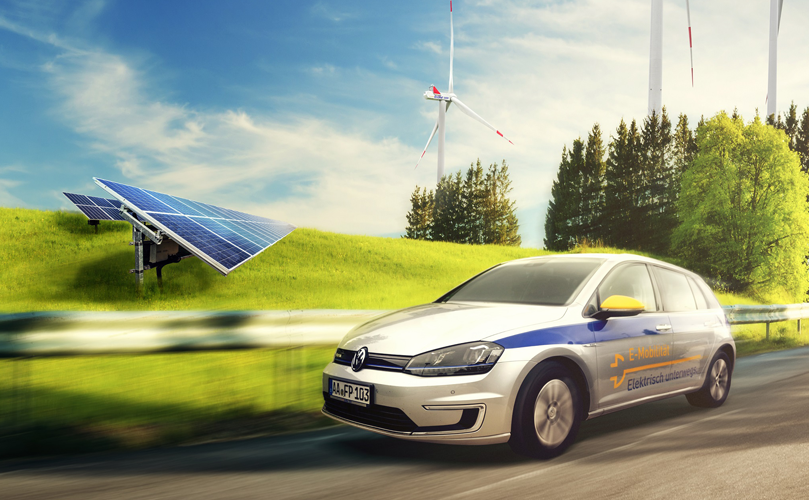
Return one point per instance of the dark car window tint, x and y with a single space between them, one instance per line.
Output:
542 282
630 281
700 298
675 290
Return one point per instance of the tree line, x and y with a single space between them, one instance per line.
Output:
472 208
638 193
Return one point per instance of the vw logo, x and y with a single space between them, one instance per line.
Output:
359 359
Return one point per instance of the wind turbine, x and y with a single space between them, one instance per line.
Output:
775 27
656 56
444 100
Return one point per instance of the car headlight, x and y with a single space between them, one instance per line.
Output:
463 359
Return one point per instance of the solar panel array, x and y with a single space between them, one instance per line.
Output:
223 238
96 208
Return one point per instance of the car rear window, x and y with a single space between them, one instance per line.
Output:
540 282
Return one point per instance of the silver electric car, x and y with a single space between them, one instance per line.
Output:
526 350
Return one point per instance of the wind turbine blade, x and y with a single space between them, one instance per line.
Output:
428 145
690 43
463 107
451 46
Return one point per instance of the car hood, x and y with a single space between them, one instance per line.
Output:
431 326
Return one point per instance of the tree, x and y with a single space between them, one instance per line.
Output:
473 199
802 140
683 149
592 187
448 213
656 209
500 225
420 216
743 209
561 219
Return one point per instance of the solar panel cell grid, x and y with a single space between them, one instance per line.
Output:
221 237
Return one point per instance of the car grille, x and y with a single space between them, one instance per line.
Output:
392 419
384 417
375 361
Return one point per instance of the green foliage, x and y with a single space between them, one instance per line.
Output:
420 217
563 221
743 208
592 187
474 209
54 261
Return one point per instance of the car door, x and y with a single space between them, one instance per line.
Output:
692 327
634 353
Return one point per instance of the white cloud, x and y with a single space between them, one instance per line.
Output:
305 170
7 199
429 47
322 9
323 70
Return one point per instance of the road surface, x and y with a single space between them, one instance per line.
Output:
755 446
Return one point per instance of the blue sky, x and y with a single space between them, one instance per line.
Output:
311 112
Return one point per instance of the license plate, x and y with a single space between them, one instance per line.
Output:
353 393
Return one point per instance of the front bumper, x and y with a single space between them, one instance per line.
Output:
461 409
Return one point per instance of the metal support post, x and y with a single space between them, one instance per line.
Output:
137 239
799 327
768 330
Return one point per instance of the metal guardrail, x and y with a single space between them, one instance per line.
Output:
745 315
73 333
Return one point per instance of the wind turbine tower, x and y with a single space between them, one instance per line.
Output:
656 56
444 100
772 76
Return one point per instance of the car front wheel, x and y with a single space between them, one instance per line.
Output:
547 412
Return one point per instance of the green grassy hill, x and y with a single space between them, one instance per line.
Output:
55 261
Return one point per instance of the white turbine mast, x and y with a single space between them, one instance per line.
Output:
444 100
656 56
772 75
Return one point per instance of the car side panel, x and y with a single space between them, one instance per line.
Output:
634 358
692 346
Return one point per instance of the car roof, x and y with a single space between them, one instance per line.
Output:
607 257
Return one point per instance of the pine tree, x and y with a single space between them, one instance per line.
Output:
684 147
791 125
562 221
448 214
575 221
420 216
592 187
618 188
473 201
802 141
555 215
500 224
655 207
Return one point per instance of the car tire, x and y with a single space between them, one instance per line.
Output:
547 412
715 390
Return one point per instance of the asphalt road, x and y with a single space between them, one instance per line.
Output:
755 446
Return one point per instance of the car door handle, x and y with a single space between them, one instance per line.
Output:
663 328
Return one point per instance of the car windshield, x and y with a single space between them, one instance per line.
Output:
550 282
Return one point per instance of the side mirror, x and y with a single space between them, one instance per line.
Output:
618 306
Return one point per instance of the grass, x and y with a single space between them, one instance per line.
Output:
125 401
59 263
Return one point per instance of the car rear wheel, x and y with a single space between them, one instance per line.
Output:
715 390
547 412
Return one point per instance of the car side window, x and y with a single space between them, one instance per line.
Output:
675 290
700 298
632 280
